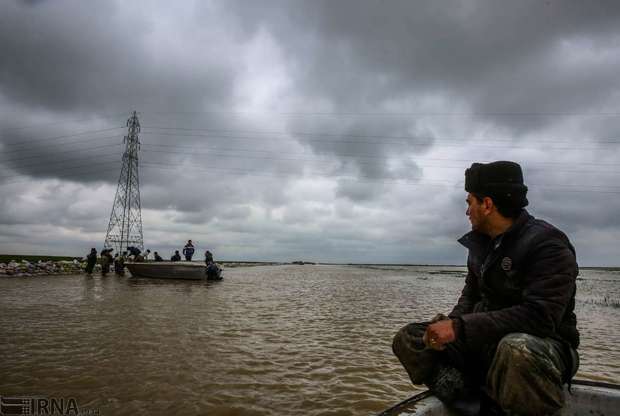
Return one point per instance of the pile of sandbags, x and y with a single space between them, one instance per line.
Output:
40 268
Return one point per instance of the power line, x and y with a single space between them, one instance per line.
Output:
71 141
433 144
76 150
59 173
211 153
53 123
251 138
63 169
351 155
63 136
398 114
246 172
72 176
193 152
363 136
21 142
45 166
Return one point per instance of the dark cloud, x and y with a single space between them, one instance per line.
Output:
502 61
93 57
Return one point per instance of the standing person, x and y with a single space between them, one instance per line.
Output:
119 264
512 337
214 272
176 257
91 260
106 261
188 250
208 257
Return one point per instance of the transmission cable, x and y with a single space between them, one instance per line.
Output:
338 161
337 135
321 174
350 155
407 144
52 123
72 150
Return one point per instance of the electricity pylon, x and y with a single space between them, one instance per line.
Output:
125 226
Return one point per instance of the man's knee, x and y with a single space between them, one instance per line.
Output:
412 353
408 339
524 351
527 371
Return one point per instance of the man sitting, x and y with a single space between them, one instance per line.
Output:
511 339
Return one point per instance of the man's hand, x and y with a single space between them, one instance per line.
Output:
438 334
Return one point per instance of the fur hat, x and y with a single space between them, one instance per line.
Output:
501 181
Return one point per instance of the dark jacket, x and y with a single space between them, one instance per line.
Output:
92 257
521 281
188 250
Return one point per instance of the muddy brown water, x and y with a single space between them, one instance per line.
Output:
272 340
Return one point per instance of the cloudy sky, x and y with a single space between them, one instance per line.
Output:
319 130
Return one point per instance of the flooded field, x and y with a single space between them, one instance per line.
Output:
273 340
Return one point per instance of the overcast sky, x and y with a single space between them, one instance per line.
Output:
332 131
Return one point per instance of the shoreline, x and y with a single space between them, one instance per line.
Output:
36 265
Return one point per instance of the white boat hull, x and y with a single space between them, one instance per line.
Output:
168 270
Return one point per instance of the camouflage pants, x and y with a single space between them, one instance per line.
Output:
523 374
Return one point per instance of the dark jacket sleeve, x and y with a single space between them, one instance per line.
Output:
549 287
469 295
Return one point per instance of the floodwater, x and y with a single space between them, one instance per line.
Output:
271 340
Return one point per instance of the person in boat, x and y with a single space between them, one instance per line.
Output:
208 257
512 337
136 253
188 250
157 257
147 254
133 251
91 260
176 256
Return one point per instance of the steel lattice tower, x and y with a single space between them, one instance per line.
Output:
125 226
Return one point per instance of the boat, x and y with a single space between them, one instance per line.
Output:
585 398
174 270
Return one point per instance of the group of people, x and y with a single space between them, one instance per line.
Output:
188 252
136 255
117 262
